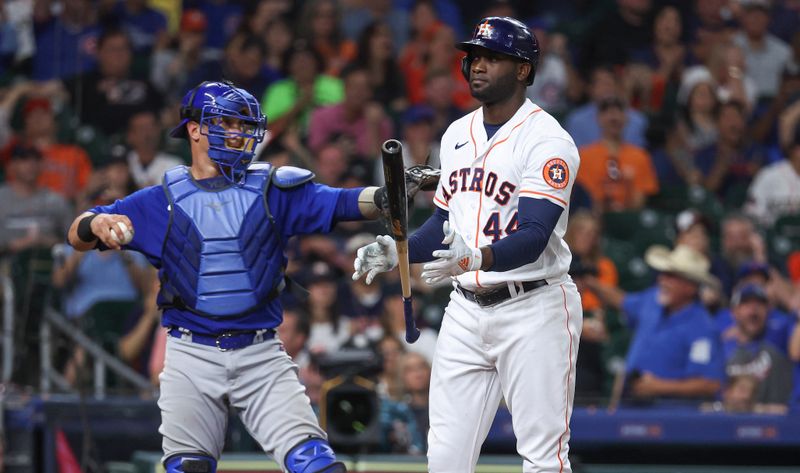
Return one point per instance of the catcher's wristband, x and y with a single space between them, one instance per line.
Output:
85 232
379 198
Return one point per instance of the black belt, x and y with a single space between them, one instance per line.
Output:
225 341
496 296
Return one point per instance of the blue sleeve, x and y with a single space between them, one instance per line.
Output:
347 205
147 209
537 220
309 208
428 238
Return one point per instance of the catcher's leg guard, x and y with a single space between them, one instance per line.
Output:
190 463
313 456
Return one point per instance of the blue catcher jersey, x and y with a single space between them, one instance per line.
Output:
304 209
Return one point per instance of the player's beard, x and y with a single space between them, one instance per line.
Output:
494 92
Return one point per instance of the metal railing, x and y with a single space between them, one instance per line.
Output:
8 327
102 360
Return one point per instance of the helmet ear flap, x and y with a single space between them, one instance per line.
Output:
531 74
466 62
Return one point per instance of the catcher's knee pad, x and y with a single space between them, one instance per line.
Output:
313 456
190 463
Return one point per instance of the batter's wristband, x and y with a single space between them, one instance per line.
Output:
85 232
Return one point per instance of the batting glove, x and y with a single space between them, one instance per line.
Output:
375 258
459 259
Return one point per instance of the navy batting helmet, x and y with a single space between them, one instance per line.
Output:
503 35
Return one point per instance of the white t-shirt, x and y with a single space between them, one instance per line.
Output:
765 65
153 174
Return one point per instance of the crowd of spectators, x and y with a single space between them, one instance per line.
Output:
685 218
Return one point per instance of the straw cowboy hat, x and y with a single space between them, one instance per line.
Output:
682 261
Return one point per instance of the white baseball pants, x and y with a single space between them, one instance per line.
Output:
524 350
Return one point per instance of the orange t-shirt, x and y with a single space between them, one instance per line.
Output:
337 56
65 170
634 170
606 274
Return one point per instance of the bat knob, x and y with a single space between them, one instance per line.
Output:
412 332
391 146
412 337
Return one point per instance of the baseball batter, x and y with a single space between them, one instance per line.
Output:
512 326
216 231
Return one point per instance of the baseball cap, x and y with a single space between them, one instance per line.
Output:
193 21
749 292
116 155
752 267
37 103
691 78
689 218
319 271
417 114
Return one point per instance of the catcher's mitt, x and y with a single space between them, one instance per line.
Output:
419 177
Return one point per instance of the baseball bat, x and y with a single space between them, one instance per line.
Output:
394 175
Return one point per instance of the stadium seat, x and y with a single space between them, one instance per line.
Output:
640 228
634 274
670 199
788 226
735 195
783 238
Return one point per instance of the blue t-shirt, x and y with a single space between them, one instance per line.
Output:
100 277
142 27
309 208
680 345
583 127
223 20
778 331
62 52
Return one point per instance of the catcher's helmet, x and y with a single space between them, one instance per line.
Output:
209 104
503 35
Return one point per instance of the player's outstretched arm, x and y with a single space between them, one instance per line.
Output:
368 204
89 228
372 201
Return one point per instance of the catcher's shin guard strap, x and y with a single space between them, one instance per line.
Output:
190 463
314 455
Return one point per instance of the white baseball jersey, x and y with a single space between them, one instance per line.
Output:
531 155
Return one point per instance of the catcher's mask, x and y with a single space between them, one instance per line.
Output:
226 114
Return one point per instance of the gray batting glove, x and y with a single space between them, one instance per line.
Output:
375 258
